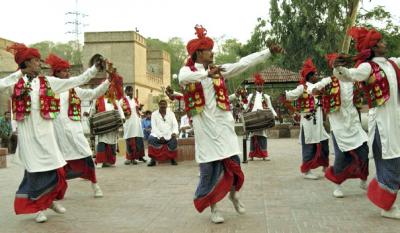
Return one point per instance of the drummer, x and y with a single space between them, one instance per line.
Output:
258 100
107 143
313 137
68 128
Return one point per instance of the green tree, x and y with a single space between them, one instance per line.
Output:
67 50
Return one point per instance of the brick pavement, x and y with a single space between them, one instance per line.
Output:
159 200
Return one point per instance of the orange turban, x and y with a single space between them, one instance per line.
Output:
56 63
202 42
22 53
308 67
364 38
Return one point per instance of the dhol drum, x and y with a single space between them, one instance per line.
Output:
258 120
104 122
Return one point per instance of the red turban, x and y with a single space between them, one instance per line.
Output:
22 53
308 67
258 79
364 38
331 59
56 63
202 42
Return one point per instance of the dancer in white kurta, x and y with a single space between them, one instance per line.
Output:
216 147
35 107
313 137
68 127
382 78
258 100
133 133
349 138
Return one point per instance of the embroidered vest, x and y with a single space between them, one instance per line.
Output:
305 103
253 98
193 95
377 87
21 100
331 99
74 106
126 107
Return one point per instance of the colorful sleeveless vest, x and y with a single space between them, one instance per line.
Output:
74 106
193 95
305 103
253 98
21 100
377 87
126 107
331 99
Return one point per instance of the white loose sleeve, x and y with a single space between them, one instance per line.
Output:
294 94
91 94
319 85
187 76
60 85
361 73
10 80
268 98
154 127
233 69
175 127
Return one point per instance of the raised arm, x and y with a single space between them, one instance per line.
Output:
10 80
361 73
319 85
294 94
187 76
244 63
60 85
91 94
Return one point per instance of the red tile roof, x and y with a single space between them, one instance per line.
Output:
274 74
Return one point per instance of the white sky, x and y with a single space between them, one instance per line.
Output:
30 21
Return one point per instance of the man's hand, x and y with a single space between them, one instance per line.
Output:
315 91
173 135
213 70
342 60
162 140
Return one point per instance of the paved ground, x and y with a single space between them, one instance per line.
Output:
159 199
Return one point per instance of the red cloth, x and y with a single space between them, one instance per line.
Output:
308 67
232 170
23 205
317 161
81 167
258 79
357 169
162 154
106 156
379 196
202 42
331 59
365 38
258 152
56 63
22 53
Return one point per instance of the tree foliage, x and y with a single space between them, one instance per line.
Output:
68 51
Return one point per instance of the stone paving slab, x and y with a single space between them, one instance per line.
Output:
159 200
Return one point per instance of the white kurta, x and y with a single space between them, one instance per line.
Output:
132 125
37 148
386 117
164 127
258 106
110 137
215 137
312 133
69 133
345 122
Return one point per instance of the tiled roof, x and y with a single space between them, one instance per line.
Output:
276 74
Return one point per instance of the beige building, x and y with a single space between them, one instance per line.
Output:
7 66
147 70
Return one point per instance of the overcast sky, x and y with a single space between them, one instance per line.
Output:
30 21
